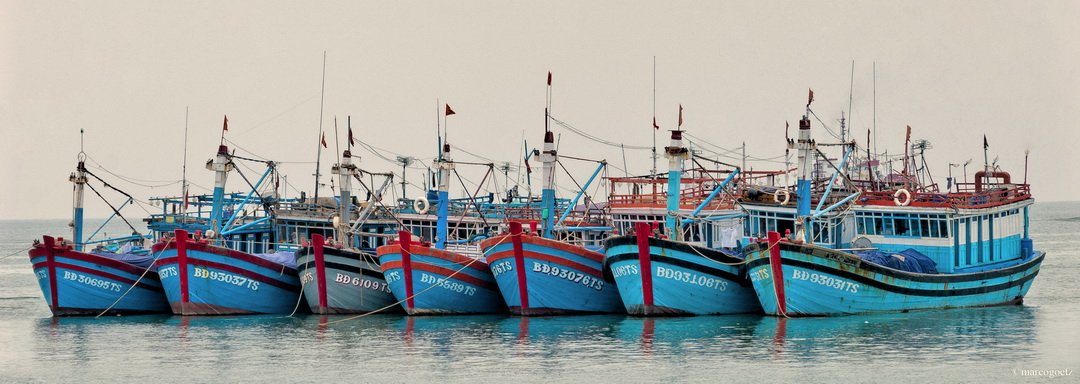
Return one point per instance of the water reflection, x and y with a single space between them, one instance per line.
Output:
963 334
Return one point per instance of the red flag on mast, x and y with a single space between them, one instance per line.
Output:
549 78
680 115
324 140
654 126
225 125
351 141
811 99
449 111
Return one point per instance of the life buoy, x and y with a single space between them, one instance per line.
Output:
420 205
787 196
907 197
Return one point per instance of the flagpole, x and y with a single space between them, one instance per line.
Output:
318 143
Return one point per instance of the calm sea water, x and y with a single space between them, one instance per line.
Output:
1038 341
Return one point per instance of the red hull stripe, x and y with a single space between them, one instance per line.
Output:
49 251
551 259
237 270
404 245
643 230
777 271
317 242
180 244
540 241
462 276
519 262
98 273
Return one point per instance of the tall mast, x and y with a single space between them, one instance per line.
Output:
319 138
548 157
802 187
184 185
345 171
79 178
652 173
675 153
445 165
221 166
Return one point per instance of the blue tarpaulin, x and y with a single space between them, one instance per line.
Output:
908 260
286 258
136 260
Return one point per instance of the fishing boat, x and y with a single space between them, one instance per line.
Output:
91 284
540 275
345 277
683 267
899 245
111 280
337 280
431 280
202 276
204 279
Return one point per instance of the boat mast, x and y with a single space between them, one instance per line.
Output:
345 171
675 153
802 187
548 157
445 165
221 166
320 137
652 173
184 184
79 178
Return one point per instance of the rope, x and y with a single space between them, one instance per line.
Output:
299 298
132 286
695 248
594 138
16 253
436 284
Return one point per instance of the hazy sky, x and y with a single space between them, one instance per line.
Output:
126 70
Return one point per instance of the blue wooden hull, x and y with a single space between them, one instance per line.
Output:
83 284
348 282
819 281
201 279
680 279
550 277
442 283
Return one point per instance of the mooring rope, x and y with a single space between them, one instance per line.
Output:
145 271
17 252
